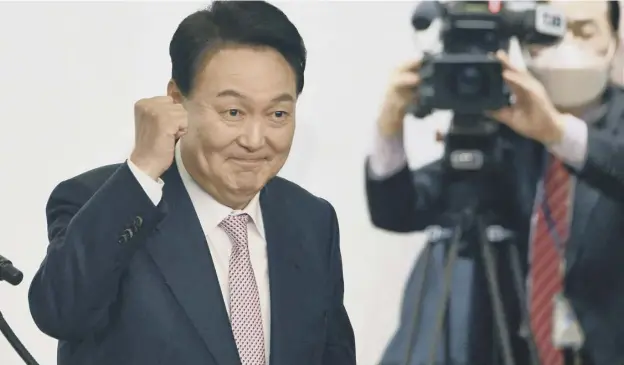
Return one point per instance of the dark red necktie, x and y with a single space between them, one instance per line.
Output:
546 275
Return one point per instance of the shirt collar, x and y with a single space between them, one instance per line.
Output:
209 211
596 114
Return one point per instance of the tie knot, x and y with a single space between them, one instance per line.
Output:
236 228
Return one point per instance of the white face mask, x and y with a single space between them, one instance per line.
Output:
572 76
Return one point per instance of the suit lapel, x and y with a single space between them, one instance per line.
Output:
528 153
180 251
586 197
584 203
284 250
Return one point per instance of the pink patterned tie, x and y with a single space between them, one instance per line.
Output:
245 311
546 276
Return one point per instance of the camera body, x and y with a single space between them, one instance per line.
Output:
466 77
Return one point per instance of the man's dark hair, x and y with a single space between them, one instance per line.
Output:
225 23
614 15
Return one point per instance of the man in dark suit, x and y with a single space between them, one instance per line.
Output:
193 251
562 193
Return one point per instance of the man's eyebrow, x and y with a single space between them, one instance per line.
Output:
284 97
231 93
581 20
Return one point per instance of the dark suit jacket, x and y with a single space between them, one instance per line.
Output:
594 282
125 282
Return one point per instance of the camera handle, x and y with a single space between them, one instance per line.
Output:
421 108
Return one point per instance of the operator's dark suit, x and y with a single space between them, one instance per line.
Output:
594 279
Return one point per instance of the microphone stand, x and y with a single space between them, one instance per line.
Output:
13 276
15 342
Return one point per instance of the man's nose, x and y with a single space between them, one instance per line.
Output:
253 135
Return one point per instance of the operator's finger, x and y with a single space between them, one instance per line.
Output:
439 136
503 115
412 65
519 84
407 80
503 57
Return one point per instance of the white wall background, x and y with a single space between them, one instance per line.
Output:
70 73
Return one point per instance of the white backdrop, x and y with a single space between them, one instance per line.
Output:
70 73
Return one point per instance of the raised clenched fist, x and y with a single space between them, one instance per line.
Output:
158 122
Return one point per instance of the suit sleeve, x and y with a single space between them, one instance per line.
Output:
406 201
604 165
340 345
92 237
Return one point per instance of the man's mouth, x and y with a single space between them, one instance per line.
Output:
248 161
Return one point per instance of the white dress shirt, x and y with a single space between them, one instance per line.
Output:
388 155
210 214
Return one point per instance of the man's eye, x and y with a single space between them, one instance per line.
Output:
280 114
588 30
233 114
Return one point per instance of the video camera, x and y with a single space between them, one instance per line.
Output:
466 77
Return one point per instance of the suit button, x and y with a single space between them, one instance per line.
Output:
128 232
138 221
125 236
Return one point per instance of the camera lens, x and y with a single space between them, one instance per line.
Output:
469 81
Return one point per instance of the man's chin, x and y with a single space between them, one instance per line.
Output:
248 183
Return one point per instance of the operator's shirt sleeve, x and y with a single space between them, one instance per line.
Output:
572 149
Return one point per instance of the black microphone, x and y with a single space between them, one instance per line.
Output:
9 273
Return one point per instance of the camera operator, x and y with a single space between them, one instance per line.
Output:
566 185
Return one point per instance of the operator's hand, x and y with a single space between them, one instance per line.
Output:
159 122
400 95
533 115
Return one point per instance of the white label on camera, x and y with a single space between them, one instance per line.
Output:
550 21
467 159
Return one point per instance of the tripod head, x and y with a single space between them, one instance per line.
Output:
9 273
473 144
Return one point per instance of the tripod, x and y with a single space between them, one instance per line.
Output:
475 156
490 239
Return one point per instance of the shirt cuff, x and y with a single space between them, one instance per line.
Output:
572 149
388 157
152 188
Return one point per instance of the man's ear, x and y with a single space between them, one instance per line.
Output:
617 63
174 92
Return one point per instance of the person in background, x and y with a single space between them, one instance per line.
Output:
618 64
192 251
568 156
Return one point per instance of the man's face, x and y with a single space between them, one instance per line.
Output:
588 23
241 121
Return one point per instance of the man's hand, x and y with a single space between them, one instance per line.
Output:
159 122
533 115
400 94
